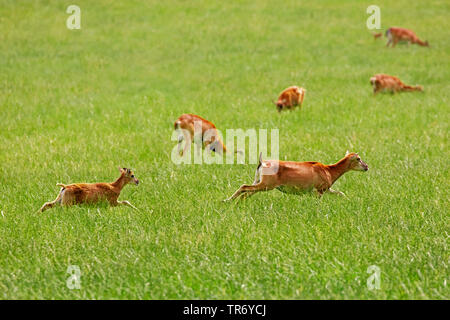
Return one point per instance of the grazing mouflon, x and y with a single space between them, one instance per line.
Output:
203 132
395 35
385 82
290 98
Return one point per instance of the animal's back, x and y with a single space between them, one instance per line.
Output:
88 192
402 33
290 97
187 120
386 80
300 174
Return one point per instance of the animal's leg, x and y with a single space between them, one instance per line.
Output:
126 203
187 140
249 188
214 146
69 199
247 195
376 89
336 192
389 36
209 146
180 143
51 204
199 143
320 192
47 205
237 193
291 102
301 100
257 177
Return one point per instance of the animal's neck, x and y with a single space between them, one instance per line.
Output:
338 169
420 42
119 183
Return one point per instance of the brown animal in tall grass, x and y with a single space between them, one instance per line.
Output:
377 35
92 193
299 177
385 82
290 98
395 35
201 131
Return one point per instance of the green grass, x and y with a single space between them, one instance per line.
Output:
75 104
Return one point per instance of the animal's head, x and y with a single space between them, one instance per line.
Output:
355 162
128 175
279 104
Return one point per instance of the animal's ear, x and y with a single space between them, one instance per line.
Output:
346 153
120 169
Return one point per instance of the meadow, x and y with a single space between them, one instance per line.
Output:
76 104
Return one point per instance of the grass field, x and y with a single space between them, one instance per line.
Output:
75 104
